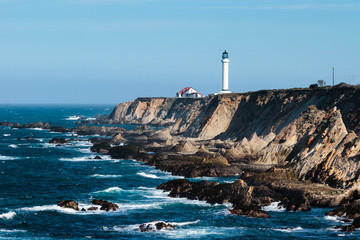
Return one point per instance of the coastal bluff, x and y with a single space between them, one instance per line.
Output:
315 132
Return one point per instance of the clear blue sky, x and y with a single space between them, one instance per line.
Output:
110 51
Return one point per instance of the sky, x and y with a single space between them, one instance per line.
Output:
112 51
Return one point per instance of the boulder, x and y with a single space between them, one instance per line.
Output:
249 212
102 147
105 205
93 208
97 157
155 225
69 204
297 202
59 129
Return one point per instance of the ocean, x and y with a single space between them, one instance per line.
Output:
35 175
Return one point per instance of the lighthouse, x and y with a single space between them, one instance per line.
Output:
225 72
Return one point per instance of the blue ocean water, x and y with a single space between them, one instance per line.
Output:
35 175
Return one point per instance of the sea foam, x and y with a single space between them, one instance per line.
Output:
147 175
8 215
273 207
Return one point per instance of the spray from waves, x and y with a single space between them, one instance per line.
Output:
6 135
273 207
8 215
105 176
147 175
13 146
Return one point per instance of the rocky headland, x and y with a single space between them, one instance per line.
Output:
299 147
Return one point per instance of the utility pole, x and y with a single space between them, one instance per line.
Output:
333 72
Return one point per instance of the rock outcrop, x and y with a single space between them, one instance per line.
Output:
315 132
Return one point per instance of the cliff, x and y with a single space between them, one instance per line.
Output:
314 131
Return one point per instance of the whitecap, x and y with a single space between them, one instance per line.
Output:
289 230
184 223
6 135
274 207
90 158
13 146
6 158
90 119
8 215
73 118
63 210
38 129
334 218
109 190
147 175
105 176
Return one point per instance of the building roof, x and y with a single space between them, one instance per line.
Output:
186 89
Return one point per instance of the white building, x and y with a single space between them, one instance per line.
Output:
189 92
225 73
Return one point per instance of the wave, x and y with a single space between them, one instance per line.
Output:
90 118
334 218
6 135
62 210
147 175
8 215
109 190
13 146
87 159
274 207
105 176
73 118
38 129
7 158
11 230
289 230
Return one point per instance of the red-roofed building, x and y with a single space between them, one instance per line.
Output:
189 92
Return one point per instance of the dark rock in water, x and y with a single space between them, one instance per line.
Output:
155 225
59 129
102 147
36 125
129 152
349 228
105 205
356 222
58 140
250 212
69 204
10 124
97 157
83 210
297 202
93 208
352 210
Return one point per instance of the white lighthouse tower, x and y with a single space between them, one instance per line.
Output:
225 73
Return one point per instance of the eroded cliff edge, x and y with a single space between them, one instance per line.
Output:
312 131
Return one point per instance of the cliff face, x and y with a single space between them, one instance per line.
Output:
313 131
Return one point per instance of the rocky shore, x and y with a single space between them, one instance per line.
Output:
297 147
